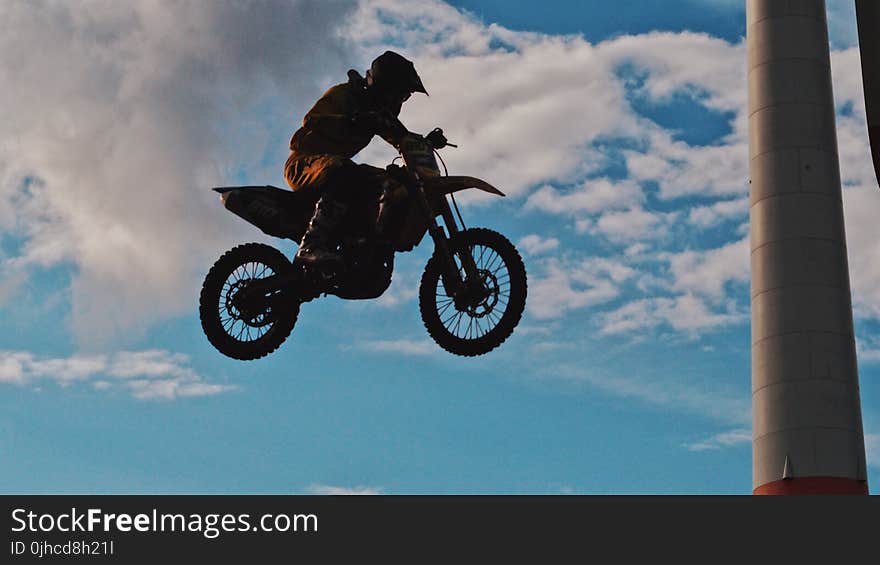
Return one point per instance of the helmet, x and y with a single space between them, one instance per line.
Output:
392 73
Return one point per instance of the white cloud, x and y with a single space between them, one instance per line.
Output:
12 367
868 348
680 170
710 71
401 346
536 245
714 214
148 375
708 272
550 346
692 315
842 29
632 225
721 440
151 363
342 491
542 330
631 317
592 196
403 290
685 313
636 250
489 88
169 389
126 113
860 194
570 285
691 294
69 369
872 449
695 63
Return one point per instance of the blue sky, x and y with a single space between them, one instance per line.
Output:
618 131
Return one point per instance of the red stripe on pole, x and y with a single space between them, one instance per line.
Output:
813 485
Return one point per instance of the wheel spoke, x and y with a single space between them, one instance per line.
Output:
491 263
451 316
479 258
479 327
482 253
441 311
458 322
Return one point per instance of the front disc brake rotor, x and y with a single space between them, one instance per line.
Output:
240 309
479 302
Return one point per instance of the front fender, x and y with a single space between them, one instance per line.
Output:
447 185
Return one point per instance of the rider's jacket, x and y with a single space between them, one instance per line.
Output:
329 127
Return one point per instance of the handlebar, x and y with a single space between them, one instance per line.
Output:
438 140
394 129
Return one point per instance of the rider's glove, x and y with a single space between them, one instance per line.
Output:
437 139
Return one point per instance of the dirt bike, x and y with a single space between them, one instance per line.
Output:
471 295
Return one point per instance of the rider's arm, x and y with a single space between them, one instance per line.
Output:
392 130
336 115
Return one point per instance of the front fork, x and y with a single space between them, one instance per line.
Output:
451 275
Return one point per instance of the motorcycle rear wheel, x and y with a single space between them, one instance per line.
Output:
245 334
477 328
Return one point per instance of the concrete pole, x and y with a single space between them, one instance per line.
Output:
806 412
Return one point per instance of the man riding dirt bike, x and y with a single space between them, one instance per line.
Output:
338 127
351 219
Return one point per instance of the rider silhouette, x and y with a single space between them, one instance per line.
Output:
340 124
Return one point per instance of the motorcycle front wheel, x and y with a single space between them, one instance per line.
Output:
241 326
475 326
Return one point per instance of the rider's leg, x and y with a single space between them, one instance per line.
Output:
318 247
338 181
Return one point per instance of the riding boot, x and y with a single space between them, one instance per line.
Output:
315 247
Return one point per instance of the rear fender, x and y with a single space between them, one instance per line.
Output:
277 212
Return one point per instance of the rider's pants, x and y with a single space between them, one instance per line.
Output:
333 176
